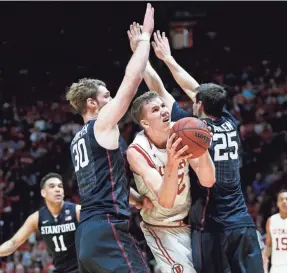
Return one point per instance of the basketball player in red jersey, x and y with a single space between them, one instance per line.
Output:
276 241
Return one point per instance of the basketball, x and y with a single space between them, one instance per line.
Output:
194 133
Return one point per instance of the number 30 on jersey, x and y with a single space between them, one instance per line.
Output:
81 159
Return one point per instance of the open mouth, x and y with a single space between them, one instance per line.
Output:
166 119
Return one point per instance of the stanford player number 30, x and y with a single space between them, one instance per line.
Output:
80 154
223 149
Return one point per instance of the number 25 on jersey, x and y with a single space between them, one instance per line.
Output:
223 149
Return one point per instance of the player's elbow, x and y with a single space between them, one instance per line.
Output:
134 76
208 178
165 202
207 183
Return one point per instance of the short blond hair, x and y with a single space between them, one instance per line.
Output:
79 92
138 103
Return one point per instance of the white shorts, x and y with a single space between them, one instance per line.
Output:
279 268
171 247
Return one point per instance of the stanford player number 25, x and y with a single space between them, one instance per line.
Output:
222 150
80 154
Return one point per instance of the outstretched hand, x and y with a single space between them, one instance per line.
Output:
148 23
139 33
161 45
134 35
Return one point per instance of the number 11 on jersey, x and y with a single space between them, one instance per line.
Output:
62 246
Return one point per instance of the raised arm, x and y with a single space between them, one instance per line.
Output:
113 111
30 225
164 189
151 77
268 248
162 50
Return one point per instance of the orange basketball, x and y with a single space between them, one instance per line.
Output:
194 133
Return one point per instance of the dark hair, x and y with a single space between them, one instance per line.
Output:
48 176
281 191
213 98
138 103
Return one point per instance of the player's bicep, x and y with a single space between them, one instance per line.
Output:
226 114
142 167
113 111
30 225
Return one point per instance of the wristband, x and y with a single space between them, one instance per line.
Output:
168 58
145 37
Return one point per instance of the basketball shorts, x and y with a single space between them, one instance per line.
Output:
203 251
171 247
104 245
240 251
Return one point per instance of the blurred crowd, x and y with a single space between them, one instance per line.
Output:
36 129
35 140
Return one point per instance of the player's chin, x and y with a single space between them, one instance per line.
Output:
58 199
166 125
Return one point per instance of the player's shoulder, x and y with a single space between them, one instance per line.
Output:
178 113
272 220
274 217
228 116
140 141
33 219
82 131
68 205
140 148
43 210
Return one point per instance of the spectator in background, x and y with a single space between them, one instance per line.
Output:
257 96
259 184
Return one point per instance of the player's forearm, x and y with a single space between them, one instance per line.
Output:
266 254
206 170
153 80
168 190
185 81
137 64
7 248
